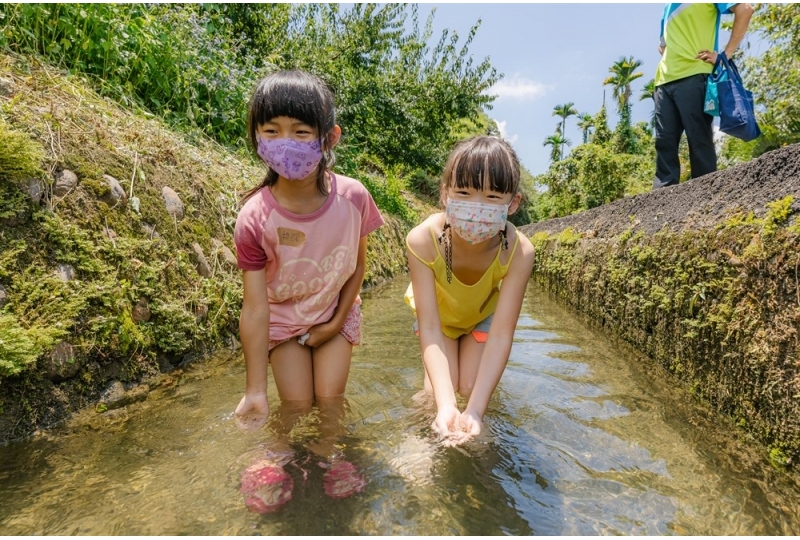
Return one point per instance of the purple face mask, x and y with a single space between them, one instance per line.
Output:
293 160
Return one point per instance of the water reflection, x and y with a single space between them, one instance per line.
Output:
580 438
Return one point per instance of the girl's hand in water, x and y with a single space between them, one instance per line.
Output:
470 423
446 425
253 411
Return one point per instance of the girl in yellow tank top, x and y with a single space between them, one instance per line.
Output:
469 269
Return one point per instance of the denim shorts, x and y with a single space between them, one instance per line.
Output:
480 332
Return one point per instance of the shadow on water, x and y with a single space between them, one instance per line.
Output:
580 438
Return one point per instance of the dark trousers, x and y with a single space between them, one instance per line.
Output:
679 108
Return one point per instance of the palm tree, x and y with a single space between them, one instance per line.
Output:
623 74
649 92
557 141
565 111
585 123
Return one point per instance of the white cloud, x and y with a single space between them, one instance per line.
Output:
518 88
501 125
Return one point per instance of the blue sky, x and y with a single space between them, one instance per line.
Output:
551 54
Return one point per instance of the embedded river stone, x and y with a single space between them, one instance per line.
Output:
115 192
227 254
66 181
65 272
61 364
6 87
141 311
173 202
35 189
203 268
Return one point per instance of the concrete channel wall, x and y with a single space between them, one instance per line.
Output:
702 278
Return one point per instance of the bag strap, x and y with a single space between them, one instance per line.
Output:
730 67
717 70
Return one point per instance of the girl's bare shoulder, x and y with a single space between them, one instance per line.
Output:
419 239
524 251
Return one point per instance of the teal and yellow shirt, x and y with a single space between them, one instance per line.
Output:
686 29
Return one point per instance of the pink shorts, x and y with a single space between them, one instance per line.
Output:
351 329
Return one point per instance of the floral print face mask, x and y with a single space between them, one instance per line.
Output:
476 222
291 159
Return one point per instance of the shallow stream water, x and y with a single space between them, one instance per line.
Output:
581 437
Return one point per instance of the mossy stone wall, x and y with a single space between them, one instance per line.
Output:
718 307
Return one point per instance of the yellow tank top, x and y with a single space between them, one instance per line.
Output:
462 307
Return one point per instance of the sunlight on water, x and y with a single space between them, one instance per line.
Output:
580 438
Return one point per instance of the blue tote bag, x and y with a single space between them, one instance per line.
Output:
736 114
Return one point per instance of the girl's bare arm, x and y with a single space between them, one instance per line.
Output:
501 333
430 328
347 296
254 333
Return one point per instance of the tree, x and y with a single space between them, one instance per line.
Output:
557 143
585 123
623 74
602 134
565 111
649 92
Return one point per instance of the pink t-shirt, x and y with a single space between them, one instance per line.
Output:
308 258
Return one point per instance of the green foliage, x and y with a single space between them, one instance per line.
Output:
600 175
13 200
399 100
592 175
624 138
388 195
176 327
602 133
777 214
165 58
774 78
468 127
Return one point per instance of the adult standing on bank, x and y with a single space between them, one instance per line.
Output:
688 47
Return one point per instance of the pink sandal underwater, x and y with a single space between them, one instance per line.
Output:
266 486
342 479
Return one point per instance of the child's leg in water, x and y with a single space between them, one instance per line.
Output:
469 360
451 351
265 484
331 368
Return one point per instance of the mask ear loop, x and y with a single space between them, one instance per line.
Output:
446 238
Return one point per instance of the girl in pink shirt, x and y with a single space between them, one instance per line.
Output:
301 241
